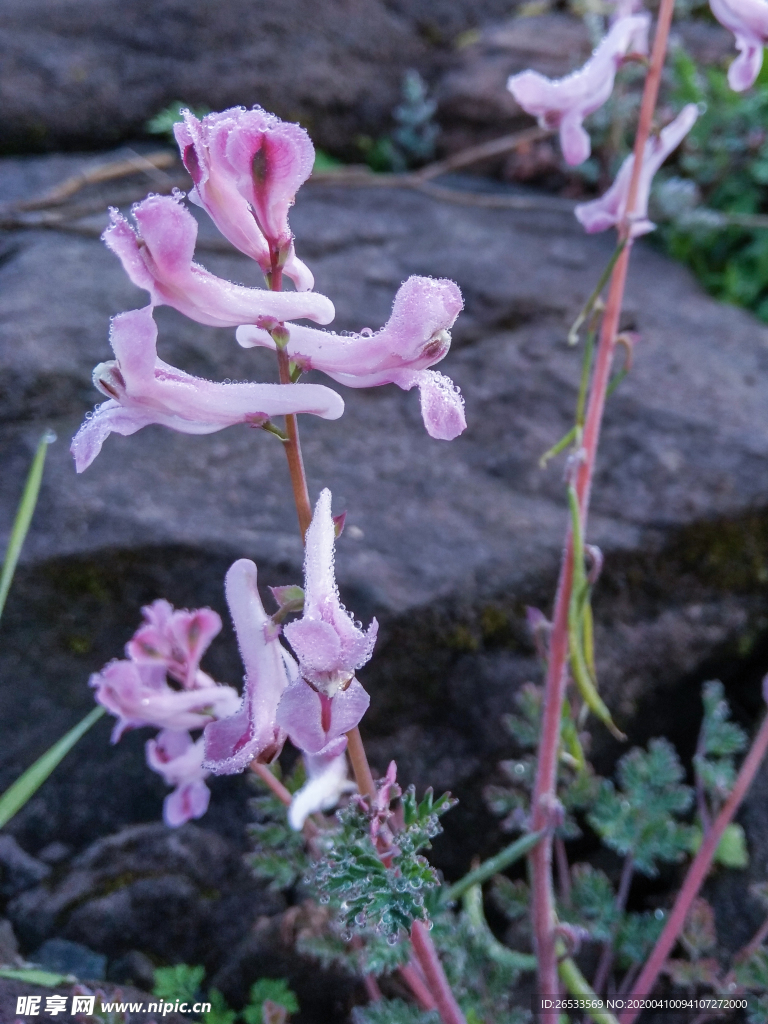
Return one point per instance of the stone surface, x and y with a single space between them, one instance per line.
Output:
450 541
92 73
19 870
64 957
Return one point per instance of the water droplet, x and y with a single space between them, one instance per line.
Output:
366 332
324 900
392 940
659 914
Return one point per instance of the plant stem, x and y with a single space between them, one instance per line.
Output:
272 782
577 985
494 864
360 765
698 871
412 975
293 454
544 793
423 947
606 959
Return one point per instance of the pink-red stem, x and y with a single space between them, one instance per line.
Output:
697 873
426 954
544 794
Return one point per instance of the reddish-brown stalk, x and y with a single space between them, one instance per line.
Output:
426 952
545 788
697 873
270 780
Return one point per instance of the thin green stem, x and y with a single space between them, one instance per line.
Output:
24 516
492 866
589 305
577 985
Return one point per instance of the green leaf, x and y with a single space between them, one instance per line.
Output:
636 937
393 1011
220 1012
731 850
593 902
162 123
24 515
180 982
276 990
14 798
513 899
36 976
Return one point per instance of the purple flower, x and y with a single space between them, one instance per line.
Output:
159 259
142 389
611 208
175 639
252 733
173 755
415 337
565 102
748 20
137 693
327 781
247 166
327 701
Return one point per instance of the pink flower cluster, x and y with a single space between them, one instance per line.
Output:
247 166
313 698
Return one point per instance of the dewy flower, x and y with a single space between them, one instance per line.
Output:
327 781
327 701
247 166
159 259
565 102
142 389
610 209
748 20
138 694
175 639
252 732
415 337
173 755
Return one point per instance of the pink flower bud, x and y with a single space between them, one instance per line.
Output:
173 755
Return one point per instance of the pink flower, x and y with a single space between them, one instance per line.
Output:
159 259
611 208
415 337
565 102
252 732
247 166
329 645
138 694
316 723
327 782
748 20
173 755
142 389
175 639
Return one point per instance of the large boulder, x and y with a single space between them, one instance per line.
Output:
446 542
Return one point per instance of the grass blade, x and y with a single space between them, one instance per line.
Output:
24 516
14 798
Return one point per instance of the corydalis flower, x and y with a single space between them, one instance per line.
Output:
565 102
748 20
160 259
415 337
247 166
173 755
175 639
252 733
327 701
142 389
138 694
611 208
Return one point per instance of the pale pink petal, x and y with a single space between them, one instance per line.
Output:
565 102
748 20
188 801
159 259
442 407
172 398
327 782
317 724
252 732
610 209
176 639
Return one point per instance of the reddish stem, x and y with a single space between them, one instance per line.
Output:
423 947
544 793
697 873
359 761
414 978
266 776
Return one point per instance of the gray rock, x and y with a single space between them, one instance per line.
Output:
179 895
19 870
65 957
134 968
450 540
92 73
